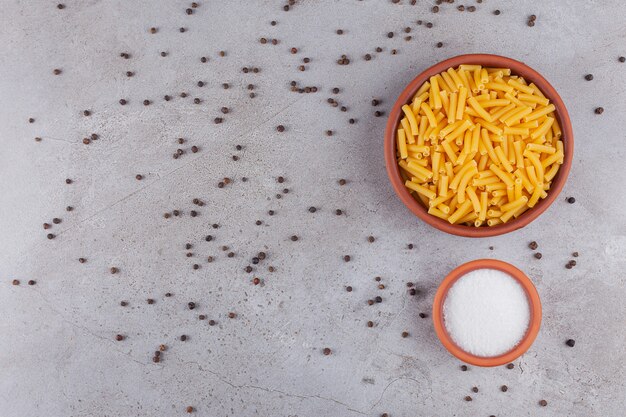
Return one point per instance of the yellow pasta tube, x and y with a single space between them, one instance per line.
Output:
420 189
516 131
517 188
463 183
407 127
551 173
503 159
461 211
505 177
470 67
535 195
464 79
477 80
543 128
443 186
423 89
446 130
494 213
479 182
488 146
539 113
456 179
521 87
490 127
434 91
411 117
449 83
457 81
541 148
475 105
520 211
515 117
496 114
402 144
445 101
438 213
552 159
482 214
534 99
449 170
404 165
444 208
432 121
471 193
528 186
484 76
437 201
482 163
468 218
495 103
493 222
514 205
556 129
536 162
452 108
532 177
417 102
501 87
424 172
499 72
436 159
422 129
530 125
435 132
449 151
459 130
461 103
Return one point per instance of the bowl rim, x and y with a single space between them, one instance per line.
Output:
516 67
534 303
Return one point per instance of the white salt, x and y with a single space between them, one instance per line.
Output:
486 312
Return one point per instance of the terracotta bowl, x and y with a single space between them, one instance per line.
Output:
534 304
517 68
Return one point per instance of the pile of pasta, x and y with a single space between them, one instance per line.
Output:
479 146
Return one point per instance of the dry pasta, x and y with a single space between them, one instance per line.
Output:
479 146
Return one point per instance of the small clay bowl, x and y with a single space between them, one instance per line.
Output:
517 68
534 304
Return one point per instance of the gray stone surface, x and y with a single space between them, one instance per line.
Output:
58 353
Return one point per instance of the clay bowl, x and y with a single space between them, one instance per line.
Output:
517 68
534 304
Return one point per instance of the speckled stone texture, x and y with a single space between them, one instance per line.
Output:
58 353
